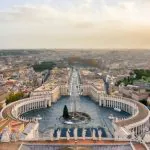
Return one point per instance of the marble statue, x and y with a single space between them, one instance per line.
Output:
58 134
75 133
5 135
51 134
68 135
94 134
99 134
83 133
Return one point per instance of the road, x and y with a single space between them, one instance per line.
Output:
74 90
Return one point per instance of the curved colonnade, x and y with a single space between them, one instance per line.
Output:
18 108
38 99
140 115
28 105
136 123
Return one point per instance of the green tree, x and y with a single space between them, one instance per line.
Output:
44 66
12 97
65 113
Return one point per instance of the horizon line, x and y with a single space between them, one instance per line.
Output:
113 49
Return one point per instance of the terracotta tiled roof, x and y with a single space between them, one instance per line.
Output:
3 97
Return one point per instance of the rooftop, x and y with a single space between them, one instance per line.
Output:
57 77
3 97
142 114
82 144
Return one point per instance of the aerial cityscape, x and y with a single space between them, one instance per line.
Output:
61 99
74 75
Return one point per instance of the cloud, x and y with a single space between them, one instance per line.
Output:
85 11
90 23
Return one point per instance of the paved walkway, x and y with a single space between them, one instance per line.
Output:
16 145
80 142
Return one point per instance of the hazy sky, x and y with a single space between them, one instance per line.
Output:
74 23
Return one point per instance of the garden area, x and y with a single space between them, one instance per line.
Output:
138 75
44 66
12 97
